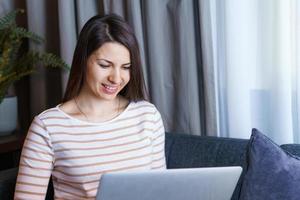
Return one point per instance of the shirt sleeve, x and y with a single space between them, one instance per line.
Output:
158 153
36 163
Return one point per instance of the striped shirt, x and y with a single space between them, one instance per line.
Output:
76 153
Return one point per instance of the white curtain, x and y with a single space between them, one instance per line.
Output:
252 49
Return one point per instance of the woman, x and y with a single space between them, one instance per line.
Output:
103 125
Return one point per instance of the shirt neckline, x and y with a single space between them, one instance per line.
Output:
94 123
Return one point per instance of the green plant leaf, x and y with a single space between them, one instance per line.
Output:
9 19
14 62
20 32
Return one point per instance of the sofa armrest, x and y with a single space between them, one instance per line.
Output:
7 183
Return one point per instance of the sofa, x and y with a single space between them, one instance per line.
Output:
182 151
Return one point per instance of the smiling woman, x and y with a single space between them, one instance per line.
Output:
103 124
107 73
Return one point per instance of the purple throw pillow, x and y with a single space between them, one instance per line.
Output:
272 173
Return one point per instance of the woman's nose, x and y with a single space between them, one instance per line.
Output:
115 76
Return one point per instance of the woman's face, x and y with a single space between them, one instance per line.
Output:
108 70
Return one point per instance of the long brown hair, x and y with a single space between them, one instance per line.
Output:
97 31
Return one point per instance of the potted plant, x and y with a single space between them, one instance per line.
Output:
15 63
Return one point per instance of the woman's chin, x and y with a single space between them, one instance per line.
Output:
108 97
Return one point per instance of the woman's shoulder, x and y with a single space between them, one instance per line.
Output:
144 107
50 112
143 104
146 112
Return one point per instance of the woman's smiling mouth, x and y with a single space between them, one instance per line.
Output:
108 89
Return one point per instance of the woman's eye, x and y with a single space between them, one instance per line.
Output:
126 67
103 66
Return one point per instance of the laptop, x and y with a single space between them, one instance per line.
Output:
215 183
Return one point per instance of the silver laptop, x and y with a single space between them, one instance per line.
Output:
215 183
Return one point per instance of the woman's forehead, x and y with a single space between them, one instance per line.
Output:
113 51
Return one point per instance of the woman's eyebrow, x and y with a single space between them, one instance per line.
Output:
105 60
112 62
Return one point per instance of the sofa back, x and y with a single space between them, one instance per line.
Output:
186 151
292 148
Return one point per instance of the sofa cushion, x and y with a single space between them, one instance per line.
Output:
272 173
186 151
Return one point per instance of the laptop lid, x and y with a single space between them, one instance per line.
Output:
216 183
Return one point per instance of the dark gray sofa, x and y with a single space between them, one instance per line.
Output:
182 151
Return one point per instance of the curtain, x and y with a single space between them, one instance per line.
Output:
6 6
45 85
169 37
168 32
254 50
211 67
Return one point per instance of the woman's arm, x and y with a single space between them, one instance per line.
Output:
36 163
158 153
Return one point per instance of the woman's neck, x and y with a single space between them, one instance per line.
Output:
94 108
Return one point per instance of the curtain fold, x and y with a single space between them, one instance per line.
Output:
45 85
6 6
68 33
207 24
